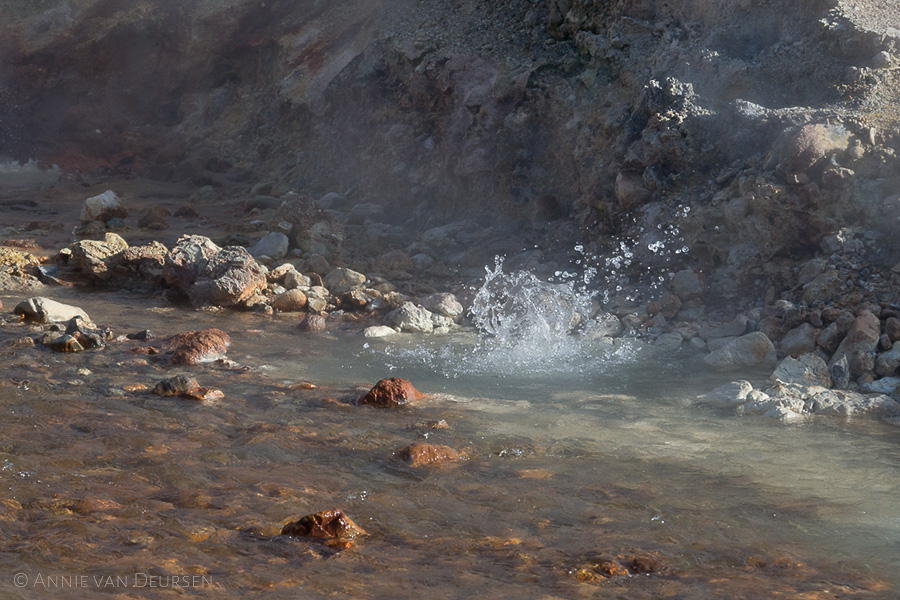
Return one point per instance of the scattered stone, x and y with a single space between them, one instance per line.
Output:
203 394
176 386
799 340
840 374
196 347
102 207
752 349
155 217
688 285
443 304
340 281
808 369
421 455
391 393
411 318
45 310
862 336
290 301
274 245
312 323
65 343
141 336
327 524
379 331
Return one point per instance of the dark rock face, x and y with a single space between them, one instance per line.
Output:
391 393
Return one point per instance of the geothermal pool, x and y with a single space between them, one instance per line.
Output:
607 454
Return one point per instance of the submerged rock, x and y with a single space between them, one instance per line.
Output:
45 310
421 455
195 347
175 386
391 393
312 323
328 524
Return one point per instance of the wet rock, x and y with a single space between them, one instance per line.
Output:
799 340
411 318
391 393
834 402
102 207
176 386
862 337
196 347
155 217
442 304
290 301
45 310
86 335
94 257
752 349
274 245
808 369
670 341
688 284
731 393
203 394
141 336
422 455
312 323
209 275
340 281
327 524
670 304
603 324
65 343
379 331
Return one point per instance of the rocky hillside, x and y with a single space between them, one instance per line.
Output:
758 135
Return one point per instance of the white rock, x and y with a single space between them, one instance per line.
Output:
781 413
45 310
753 349
885 385
443 304
103 207
274 245
379 331
809 369
730 393
412 318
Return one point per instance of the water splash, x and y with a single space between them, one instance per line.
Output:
524 326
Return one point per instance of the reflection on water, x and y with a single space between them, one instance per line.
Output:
603 455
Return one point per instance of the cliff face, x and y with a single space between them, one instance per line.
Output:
774 122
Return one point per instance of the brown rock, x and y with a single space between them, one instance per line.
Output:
421 455
290 301
391 393
212 276
65 343
312 323
203 394
176 386
329 524
155 217
195 347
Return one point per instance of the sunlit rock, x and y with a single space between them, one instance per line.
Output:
422 455
410 318
326 524
196 347
808 369
102 207
391 393
45 310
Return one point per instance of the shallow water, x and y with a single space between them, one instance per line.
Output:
602 455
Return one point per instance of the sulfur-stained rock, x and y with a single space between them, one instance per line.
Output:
195 347
391 393
329 524
421 455
212 276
